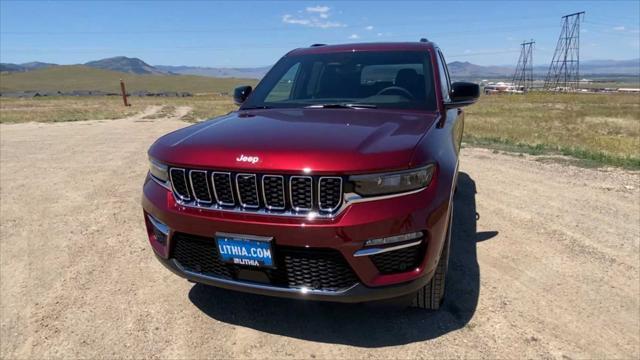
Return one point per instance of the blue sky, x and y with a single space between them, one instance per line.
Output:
241 34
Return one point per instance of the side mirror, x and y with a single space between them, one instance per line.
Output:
241 93
463 94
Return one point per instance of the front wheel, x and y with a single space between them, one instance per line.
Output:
430 297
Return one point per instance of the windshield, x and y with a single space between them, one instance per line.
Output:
398 80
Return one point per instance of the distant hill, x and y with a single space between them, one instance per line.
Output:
68 78
461 69
126 65
35 65
247 73
7 67
606 67
467 70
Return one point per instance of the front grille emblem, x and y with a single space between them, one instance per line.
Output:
249 159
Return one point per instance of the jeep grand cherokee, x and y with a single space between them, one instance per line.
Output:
332 181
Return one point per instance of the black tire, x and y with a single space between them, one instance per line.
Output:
430 297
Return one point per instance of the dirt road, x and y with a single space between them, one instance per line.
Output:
549 267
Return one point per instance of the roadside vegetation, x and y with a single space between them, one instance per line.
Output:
597 129
78 108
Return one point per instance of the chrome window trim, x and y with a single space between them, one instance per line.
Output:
184 177
375 251
255 184
320 187
296 208
215 192
284 198
206 180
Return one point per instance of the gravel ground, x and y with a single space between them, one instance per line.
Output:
545 263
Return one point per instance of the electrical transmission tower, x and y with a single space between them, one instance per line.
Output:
564 71
523 77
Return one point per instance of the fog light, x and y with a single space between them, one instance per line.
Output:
393 239
160 230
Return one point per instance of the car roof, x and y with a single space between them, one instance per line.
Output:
380 46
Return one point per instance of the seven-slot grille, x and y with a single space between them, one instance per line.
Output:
249 191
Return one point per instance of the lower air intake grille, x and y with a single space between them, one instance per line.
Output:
398 260
318 269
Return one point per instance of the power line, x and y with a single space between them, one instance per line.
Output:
523 76
564 71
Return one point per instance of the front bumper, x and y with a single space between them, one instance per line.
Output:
355 294
426 211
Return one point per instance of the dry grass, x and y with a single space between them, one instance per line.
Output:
56 109
600 127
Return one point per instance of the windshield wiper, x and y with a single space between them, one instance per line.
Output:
341 106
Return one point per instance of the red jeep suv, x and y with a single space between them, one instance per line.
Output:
332 181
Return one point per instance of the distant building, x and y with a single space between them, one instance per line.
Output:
628 90
501 87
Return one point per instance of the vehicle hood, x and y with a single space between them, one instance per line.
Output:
292 140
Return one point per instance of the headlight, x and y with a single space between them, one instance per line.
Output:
158 170
392 183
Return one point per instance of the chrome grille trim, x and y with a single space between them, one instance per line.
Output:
264 195
195 196
215 193
184 178
320 191
347 198
298 208
255 184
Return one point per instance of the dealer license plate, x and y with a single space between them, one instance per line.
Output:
247 250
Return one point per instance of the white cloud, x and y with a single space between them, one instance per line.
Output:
379 34
619 28
369 28
288 19
316 16
467 51
318 9
354 36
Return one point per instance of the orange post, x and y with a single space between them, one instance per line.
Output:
124 93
